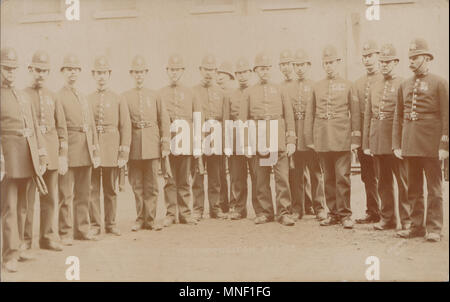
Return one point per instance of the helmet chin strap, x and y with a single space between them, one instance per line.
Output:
418 68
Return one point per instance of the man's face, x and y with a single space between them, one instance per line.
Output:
331 67
208 74
8 74
263 73
101 77
387 67
243 77
223 79
418 63
286 69
39 75
301 69
175 74
139 76
71 74
370 62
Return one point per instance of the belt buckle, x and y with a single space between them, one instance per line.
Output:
43 129
414 116
100 129
381 116
329 116
27 132
85 128
300 115
141 124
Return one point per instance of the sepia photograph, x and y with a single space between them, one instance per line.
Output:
224 141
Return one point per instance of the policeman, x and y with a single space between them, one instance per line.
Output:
268 102
285 65
300 93
113 126
25 158
212 101
240 166
368 174
377 141
420 135
180 103
225 80
332 128
83 154
52 125
149 142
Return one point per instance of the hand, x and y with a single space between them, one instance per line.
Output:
2 175
290 149
63 166
121 163
367 152
96 162
165 153
354 146
42 169
311 146
398 153
443 154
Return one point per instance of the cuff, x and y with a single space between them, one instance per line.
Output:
443 145
356 140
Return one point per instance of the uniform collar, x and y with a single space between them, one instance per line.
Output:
389 77
205 85
5 84
35 86
102 90
422 74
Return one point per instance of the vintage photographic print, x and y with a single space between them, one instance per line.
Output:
224 141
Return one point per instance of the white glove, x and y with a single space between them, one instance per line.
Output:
290 149
165 153
63 165
96 162
354 146
443 154
121 163
2 175
311 146
398 153
367 152
42 169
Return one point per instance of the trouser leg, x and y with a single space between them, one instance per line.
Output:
29 220
81 198
343 162
95 214
224 200
213 166
151 190
370 180
283 194
48 205
415 191
170 188
238 177
316 179
252 162
297 183
109 180
327 163
183 193
435 215
401 175
384 165
198 189
264 205
136 179
65 220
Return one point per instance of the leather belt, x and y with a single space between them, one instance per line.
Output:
330 116
106 128
25 132
84 128
383 116
414 116
143 124
45 128
268 117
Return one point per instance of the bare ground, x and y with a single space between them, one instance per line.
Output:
217 250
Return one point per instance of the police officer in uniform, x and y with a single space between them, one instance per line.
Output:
52 125
369 177
377 142
83 154
300 94
332 128
212 101
225 79
113 126
267 101
286 68
180 103
149 143
25 158
420 135
239 164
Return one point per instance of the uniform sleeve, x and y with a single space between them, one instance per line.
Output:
309 119
61 128
367 123
355 116
289 118
443 103
197 107
164 124
225 117
96 146
397 126
124 129
42 150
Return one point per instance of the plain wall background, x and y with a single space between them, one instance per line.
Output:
162 27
